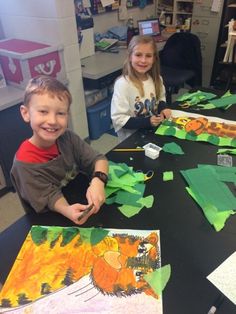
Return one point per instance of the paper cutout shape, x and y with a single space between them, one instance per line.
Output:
159 278
207 187
224 277
194 127
173 148
168 176
71 268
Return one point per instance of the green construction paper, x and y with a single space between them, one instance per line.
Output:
173 148
227 151
158 278
110 190
85 234
204 183
215 218
146 201
198 94
124 197
129 211
97 235
168 176
207 106
110 200
224 101
225 174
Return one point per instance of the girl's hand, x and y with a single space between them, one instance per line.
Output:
166 113
156 120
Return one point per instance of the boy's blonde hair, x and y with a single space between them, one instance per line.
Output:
154 72
43 84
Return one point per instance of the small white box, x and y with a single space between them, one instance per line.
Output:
152 150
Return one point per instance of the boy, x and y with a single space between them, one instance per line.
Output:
55 155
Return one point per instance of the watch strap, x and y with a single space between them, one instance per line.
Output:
101 175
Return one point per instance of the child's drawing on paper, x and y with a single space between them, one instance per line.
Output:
83 270
200 128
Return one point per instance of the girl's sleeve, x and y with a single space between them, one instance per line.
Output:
120 107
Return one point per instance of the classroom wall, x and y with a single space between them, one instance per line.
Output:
102 22
52 22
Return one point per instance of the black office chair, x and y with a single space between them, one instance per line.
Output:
181 63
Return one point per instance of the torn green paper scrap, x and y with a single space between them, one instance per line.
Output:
198 94
168 176
214 217
131 210
126 187
158 279
173 148
204 182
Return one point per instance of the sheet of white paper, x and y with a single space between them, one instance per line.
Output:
224 277
107 2
86 3
216 5
123 11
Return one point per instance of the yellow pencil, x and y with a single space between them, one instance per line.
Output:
128 150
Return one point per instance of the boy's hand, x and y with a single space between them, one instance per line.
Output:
73 212
96 194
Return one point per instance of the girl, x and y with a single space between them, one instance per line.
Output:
139 94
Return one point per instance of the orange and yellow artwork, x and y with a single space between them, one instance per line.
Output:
83 270
196 127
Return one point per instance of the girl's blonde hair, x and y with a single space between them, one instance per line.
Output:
154 72
46 85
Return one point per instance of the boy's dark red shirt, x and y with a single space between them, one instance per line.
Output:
28 152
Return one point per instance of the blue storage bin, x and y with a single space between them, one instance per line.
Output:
99 118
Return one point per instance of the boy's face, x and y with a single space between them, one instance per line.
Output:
48 117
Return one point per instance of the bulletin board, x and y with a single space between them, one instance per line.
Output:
97 8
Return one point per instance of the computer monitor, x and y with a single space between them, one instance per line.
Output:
150 27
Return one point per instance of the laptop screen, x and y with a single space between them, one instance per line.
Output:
149 27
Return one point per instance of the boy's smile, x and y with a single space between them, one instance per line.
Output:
48 117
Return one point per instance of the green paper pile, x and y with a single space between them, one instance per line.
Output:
207 186
202 100
195 98
126 188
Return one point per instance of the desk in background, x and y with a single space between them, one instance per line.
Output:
101 69
188 242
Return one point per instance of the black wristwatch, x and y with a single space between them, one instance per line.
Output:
100 175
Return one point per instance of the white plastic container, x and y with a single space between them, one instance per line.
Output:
152 150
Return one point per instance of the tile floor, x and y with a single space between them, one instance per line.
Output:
10 206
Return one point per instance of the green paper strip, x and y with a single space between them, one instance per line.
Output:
168 176
227 151
158 278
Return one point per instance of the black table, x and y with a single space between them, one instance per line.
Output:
188 242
